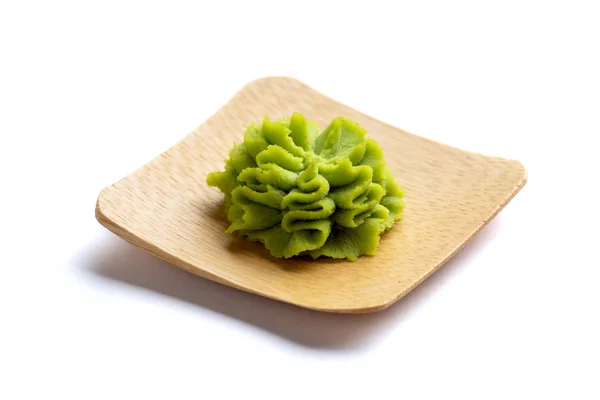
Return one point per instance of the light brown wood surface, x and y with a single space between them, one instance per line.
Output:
167 208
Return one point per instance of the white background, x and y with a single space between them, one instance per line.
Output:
89 91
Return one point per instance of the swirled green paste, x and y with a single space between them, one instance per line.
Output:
304 193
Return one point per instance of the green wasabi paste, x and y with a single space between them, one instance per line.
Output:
303 193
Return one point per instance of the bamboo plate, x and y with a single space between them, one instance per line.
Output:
167 209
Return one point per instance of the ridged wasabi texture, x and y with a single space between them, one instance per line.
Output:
304 193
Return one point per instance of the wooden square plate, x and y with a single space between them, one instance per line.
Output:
167 209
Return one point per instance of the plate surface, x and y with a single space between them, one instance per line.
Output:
167 209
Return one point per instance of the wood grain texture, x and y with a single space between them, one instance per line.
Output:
167 209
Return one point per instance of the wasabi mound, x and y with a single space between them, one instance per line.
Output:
303 193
